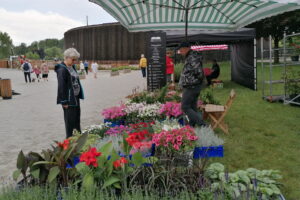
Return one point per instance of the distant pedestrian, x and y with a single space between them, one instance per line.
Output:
95 69
37 72
27 69
214 73
69 90
45 70
86 66
143 65
81 67
169 66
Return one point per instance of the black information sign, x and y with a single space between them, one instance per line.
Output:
156 56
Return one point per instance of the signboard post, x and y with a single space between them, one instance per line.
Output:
156 56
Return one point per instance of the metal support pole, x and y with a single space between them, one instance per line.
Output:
284 63
186 23
255 70
262 65
270 49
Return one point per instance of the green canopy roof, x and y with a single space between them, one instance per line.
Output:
202 15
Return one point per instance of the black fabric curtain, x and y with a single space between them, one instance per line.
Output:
242 64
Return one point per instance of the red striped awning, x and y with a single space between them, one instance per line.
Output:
209 47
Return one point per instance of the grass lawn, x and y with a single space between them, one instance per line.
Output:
262 135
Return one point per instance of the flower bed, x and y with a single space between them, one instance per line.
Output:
121 156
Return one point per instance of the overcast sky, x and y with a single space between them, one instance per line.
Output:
33 20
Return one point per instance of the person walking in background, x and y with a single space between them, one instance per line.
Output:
37 72
81 67
191 80
214 73
169 66
27 69
86 67
45 70
143 65
95 68
69 90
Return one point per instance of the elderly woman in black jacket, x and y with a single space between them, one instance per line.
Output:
69 90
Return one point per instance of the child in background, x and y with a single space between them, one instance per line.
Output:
37 72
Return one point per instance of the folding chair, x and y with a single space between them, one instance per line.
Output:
216 113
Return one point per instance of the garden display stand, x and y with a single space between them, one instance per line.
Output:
217 113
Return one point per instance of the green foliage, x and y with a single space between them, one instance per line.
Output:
207 137
177 71
5 45
51 164
292 81
32 55
53 52
207 97
115 69
236 184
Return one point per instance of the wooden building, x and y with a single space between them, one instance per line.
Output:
106 42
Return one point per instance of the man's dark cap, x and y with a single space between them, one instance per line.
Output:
184 44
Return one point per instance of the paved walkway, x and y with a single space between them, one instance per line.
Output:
32 120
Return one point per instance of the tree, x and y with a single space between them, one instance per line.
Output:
53 52
32 55
6 45
276 26
21 49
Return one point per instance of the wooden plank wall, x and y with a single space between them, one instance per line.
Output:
106 42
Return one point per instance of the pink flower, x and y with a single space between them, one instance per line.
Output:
179 138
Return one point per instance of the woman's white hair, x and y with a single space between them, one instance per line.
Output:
71 53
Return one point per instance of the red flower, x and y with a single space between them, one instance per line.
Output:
89 157
120 163
64 144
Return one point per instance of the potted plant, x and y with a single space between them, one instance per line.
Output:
127 69
114 72
293 84
296 51
81 74
115 115
208 144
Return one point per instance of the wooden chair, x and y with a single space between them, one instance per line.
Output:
216 113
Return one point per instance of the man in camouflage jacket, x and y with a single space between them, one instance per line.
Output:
192 80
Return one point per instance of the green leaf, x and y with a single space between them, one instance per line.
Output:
137 159
101 161
36 173
106 149
54 171
117 185
110 181
21 161
82 168
80 142
44 163
16 174
69 151
243 176
88 181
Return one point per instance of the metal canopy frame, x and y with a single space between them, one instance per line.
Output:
269 85
287 98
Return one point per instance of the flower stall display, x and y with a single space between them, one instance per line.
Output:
182 139
171 110
115 115
117 130
208 144
97 129
149 111
165 125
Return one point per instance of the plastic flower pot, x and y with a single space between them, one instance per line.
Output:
75 161
114 123
208 152
181 121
